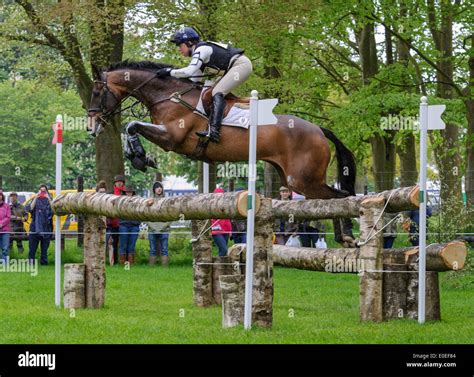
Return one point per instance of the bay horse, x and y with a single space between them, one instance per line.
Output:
297 148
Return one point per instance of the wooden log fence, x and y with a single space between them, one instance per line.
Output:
387 286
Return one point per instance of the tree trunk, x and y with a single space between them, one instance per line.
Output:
446 154
107 47
109 153
407 153
383 149
384 162
271 180
469 103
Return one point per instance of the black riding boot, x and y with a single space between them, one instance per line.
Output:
218 105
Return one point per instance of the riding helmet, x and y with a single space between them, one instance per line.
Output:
185 34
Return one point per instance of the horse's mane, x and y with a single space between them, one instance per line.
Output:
143 65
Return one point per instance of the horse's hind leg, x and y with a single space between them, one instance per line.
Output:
342 226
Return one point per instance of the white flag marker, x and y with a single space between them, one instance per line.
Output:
260 113
430 119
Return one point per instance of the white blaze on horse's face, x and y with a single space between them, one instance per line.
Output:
94 125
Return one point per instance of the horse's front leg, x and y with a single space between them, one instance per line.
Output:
134 150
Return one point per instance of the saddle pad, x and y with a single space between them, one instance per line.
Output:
236 117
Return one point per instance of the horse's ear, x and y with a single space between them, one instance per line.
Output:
95 72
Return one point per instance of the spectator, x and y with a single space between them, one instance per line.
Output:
19 216
41 227
129 230
390 232
113 223
221 231
101 187
239 231
310 232
5 214
158 232
414 224
284 228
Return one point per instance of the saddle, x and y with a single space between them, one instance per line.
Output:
230 100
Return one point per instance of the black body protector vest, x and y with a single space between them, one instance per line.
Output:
220 57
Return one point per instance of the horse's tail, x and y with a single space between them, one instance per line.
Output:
346 165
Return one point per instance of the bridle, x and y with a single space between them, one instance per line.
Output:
117 109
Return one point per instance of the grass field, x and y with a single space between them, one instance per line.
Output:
149 304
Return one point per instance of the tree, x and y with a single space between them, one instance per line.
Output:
77 31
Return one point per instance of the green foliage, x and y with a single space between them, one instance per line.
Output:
28 111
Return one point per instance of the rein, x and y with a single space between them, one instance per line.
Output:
175 97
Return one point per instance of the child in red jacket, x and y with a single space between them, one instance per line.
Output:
221 231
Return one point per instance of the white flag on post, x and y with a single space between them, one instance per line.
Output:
261 112
434 117
265 111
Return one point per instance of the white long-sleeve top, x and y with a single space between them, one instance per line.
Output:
199 57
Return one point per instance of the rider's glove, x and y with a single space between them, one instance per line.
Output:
163 72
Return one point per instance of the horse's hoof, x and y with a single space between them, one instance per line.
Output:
139 164
150 161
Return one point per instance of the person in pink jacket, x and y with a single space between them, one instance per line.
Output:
221 231
5 215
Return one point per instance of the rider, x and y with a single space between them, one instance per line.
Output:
211 59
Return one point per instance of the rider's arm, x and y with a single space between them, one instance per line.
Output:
201 55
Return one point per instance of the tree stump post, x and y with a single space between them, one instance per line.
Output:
263 266
202 263
233 298
432 305
94 259
80 218
221 266
74 286
395 286
370 287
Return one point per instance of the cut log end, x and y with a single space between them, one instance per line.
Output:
242 203
415 196
454 255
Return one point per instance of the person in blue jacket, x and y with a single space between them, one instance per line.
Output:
41 227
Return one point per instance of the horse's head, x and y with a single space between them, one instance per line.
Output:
103 103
